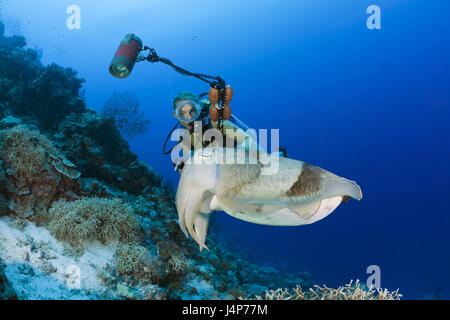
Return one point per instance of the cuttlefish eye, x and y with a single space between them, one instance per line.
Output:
207 156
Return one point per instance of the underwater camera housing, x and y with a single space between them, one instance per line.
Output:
126 55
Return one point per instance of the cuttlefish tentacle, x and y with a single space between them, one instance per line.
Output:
341 187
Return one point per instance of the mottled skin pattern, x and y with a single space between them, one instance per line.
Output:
308 183
240 175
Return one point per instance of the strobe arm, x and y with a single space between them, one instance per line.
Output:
153 57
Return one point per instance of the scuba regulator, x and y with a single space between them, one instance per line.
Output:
131 51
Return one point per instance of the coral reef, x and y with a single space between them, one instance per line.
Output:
45 95
351 291
179 263
49 98
98 149
135 264
24 151
89 219
34 173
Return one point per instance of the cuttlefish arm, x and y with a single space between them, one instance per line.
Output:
191 221
181 201
201 223
193 199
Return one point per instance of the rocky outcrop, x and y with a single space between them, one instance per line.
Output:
99 150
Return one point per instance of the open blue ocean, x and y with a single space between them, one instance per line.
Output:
371 105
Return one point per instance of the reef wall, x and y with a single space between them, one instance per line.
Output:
81 217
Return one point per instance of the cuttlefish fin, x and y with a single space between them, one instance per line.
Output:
326 207
305 210
341 187
229 204
332 193
269 214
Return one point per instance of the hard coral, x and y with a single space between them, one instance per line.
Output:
35 174
348 292
178 263
89 219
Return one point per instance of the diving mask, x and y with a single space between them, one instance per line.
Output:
188 111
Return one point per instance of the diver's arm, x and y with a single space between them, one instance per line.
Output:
188 147
232 131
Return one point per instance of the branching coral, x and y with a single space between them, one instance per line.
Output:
131 260
351 291
88 219
178 263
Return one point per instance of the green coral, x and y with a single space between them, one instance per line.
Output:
88 219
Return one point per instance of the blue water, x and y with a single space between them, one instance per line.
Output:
369 105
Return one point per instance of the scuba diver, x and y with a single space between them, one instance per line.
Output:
212 114
192 113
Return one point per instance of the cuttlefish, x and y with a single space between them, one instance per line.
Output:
248 188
